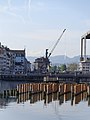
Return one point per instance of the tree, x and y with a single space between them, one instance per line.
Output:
63 67
53 68
72 67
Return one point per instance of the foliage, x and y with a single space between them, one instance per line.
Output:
63 67
53 68
72 67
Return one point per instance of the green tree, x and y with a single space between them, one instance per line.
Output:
53 68
63 67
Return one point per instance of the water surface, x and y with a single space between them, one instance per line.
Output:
41 107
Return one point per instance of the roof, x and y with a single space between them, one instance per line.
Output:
86 35
42 60
17 51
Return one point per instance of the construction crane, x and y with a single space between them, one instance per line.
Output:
47 56
43 62
47 62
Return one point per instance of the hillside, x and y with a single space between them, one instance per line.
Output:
59 59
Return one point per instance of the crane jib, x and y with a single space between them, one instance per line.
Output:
56 43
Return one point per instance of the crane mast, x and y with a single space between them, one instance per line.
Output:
47 56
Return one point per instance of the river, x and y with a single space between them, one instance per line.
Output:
43 107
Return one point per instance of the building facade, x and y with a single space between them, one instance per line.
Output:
13 62
4 61
17 61
84 64
41 65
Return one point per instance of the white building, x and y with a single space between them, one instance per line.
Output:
4 61
13 62
84 64
17 61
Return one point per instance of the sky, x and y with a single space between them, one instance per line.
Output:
35 25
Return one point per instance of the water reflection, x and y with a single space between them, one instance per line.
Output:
42 96
22 98
53 97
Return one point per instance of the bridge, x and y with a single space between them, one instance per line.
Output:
38 77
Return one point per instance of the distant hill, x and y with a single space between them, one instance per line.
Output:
62 59
59 59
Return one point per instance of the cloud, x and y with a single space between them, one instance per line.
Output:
11 11
17 11
29 4
29 8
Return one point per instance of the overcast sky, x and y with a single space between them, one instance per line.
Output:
37 24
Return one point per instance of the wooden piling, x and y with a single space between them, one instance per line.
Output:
61 89
77 89
67 88
88 90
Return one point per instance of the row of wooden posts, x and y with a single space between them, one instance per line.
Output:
53 97
48 88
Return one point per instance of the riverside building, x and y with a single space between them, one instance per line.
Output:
84 64
13 62
41 65
4 60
